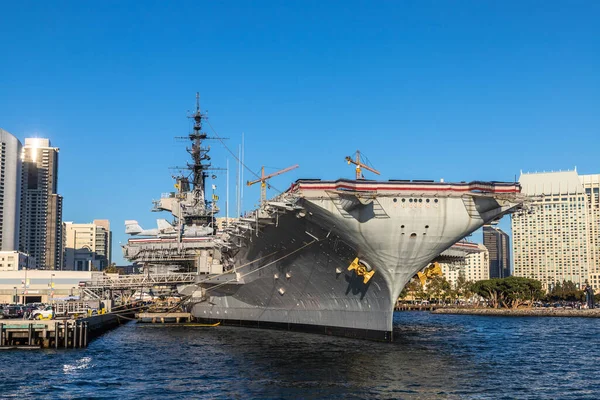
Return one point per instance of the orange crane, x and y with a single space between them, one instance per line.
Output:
360 165
263 181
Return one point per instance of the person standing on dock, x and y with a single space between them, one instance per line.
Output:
589 296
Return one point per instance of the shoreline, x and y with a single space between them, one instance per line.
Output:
521 312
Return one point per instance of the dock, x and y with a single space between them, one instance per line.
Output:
56 333
164 317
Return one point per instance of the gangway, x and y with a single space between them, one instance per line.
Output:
109 286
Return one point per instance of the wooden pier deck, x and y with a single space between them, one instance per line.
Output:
164 317
24 334
57 333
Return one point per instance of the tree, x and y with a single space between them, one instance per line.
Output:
111 269
411 289
567 291
489 290
508 292
519 291
463 287
439 288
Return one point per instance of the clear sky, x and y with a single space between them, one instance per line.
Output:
460 90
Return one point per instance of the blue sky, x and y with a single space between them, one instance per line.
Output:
460 90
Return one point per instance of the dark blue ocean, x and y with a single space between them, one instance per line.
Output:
435 356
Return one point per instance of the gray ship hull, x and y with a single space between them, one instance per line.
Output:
309 290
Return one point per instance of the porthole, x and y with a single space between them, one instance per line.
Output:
435 201
395 200
403 200
420 200
427 201
402 226
413 235
410 200
426 226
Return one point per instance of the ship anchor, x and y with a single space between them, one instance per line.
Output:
362 269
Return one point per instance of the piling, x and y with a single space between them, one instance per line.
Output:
81 334
66 334
30 335
56 334
85 335
73 334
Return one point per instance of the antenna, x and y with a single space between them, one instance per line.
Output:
238 183
242 174
227 196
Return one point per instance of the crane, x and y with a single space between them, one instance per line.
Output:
360 165
263 181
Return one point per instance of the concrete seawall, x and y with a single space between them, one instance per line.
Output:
521 312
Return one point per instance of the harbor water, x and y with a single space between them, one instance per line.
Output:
434 356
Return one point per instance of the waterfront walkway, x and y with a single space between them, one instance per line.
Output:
521 312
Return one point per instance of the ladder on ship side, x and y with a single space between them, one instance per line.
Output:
470 206
378 210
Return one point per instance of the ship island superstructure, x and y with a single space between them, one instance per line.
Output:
323 256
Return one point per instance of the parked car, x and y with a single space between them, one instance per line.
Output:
12 312
45 313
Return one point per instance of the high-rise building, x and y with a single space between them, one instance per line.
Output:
559 238
87 245
41 205
498 244
474 268
10 190
591 186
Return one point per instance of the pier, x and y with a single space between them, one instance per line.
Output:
164 317
63 334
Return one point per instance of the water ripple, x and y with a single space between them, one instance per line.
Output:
434 356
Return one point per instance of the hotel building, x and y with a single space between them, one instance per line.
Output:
476 265
558 238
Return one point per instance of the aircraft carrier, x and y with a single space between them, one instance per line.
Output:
323 256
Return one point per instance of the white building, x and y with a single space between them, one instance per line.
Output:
87 245
476 266
28 286
10 190
15 261
558 239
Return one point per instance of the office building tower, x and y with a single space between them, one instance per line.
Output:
10 190
558 239
41 205
498 244
87 246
